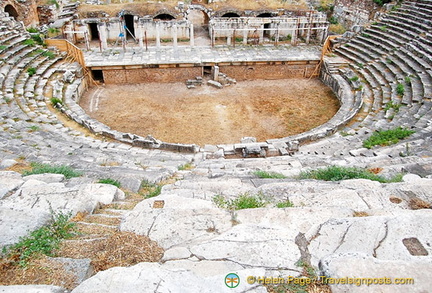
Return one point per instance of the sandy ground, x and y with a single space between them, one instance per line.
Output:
170 112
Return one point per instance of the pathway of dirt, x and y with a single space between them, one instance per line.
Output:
170 112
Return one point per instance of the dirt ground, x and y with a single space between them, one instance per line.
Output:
205 115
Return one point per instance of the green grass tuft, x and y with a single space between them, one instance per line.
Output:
387 137
38 168
43 240
265 174
400 89
336 173
149 190
31 71
285 204
243 201
110 181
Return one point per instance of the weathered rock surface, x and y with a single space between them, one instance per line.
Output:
358 265
153 277
9 181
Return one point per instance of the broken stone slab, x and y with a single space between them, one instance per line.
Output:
19 223
248 139
154 277
47 178
9 181
80 268
267 246
170 227
38 195
7 163
215 84
359 265
32 289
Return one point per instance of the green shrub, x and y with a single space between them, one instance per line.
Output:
333 20
243 201
360 65
408 80
381 2
31 71
43 240
391 105
383 28
38 39
336 173
365 35
400 89
149 190
2 47
38 168
272 175
110 181
32 30
56 102
187 166
354 78
285 204
29 42
49 54
387 137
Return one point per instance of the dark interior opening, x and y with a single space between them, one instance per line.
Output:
267 31
230 14
11 11
207 70
164 17
94 32
264 15
97 75
129 22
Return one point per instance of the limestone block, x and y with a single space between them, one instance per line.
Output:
9 181
153 277
32 289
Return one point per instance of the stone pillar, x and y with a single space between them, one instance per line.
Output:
261 35
103 35
191 35
215 73
245 36
229 37
140 35
174 30
158 43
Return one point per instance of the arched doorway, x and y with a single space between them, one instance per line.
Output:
231 14
200 20
11 11
164 17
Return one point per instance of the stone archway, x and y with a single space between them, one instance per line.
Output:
11 11
199 18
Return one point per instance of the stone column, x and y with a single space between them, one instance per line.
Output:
245 36
174 30
229 37
140 35
158 43
191 35
261 35
103 35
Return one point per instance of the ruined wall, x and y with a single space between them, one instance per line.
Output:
171 73
26 9
354 12
141 75
272 70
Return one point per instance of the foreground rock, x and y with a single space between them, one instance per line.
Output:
153 277
32 202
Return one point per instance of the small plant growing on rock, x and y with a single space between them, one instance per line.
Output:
354 78
337 173
43 240
187 166
243 201
149 190
387 137
110 181
38 168
265 174
56 102
400 89
31 71
285 204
